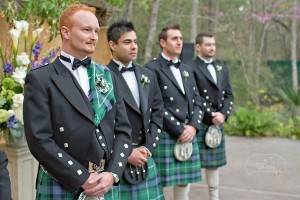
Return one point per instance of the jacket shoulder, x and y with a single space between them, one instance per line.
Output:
152 64
41 71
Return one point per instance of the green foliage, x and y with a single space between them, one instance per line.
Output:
272 121
251 122
38 11
289 96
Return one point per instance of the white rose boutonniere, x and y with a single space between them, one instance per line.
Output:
185 74
145 79
219 68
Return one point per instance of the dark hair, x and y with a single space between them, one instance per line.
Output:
116 30
200 36
163 34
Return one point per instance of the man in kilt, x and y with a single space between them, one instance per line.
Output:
144 110
74 116
182 114
213 83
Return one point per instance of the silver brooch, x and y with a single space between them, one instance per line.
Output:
102 85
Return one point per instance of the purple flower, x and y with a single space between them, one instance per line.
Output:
35 64
36 50
45 61
52 53
12 122
8 68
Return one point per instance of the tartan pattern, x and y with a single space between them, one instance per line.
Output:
211 157
173 172
102 91
49 189
148 190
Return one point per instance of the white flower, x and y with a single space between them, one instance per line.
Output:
19 75
219 67
145 79
36 33
23 59
241 8
18 107
15 34
18 100
185 74
22 26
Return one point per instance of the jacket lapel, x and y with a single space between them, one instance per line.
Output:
168 72
143 90
185 79
64 82
219 77
205 71
127 95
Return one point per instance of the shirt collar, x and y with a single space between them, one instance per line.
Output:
121 65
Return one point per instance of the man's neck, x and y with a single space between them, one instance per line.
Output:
77 55
169 56
206 59
122 62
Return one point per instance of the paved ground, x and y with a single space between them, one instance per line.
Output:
257 169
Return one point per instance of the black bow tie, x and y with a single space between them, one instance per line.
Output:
127 69
77 63
171 63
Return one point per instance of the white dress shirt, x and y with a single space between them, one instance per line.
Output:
130 78
175 71
210 67
80 73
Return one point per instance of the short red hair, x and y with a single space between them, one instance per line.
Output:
65 17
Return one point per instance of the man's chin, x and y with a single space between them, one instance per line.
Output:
90 50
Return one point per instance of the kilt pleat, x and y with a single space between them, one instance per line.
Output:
150 189
211 157
173 172
50 189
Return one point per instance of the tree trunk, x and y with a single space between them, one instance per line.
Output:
294 49
194 20
152 30
210 25
128 10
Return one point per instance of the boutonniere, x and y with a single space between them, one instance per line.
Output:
185 74
102 85
219 68
145 79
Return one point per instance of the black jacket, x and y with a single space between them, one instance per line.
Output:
179 108
218 97
146 121
59 128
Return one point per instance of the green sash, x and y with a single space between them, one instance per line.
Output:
101 91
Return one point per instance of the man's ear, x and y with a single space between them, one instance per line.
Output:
162 43
112 45
197 48
65 32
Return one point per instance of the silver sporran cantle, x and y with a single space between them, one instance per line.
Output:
183 151
213 136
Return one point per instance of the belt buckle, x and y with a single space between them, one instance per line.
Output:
97 168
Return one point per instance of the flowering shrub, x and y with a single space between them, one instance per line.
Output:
17 59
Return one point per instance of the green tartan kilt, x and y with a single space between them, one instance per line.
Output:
173 172
49 189
148 190
211 157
